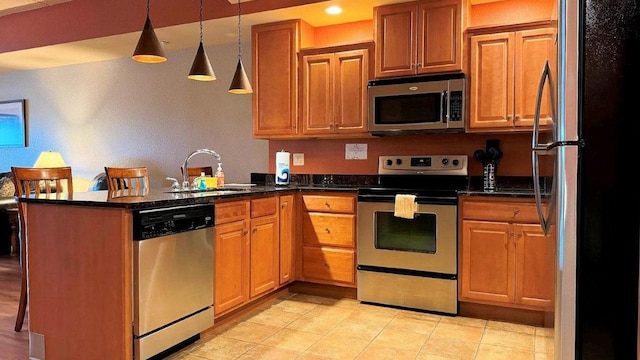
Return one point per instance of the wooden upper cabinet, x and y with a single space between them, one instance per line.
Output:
333 90
274 50
420 37
505 74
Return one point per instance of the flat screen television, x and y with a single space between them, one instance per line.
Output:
12 124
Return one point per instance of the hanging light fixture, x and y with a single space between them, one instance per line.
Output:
149 49
240 83
201 69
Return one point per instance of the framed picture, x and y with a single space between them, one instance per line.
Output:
13 125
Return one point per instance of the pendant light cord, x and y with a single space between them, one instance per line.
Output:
239 47
201 21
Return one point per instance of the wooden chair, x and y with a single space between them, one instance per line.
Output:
35 181
127 181
194 172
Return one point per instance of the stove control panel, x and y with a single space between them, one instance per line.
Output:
423 165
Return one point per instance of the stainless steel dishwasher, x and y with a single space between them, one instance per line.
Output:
172 276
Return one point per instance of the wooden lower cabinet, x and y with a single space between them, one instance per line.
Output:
505 259
287 235
328 239
247 251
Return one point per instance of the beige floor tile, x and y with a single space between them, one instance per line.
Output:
336 312
461 320
356 330
493 352
275 317
222 348
425 356
411 324
420 315
544 344
400 339
376 352
509 339
338 348
264 352
367 315
458 332
519 328
381 311
308 356
294 306
542 331
348 303
450 348
314 324
250 332
292 340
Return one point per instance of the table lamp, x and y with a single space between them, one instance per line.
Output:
49 159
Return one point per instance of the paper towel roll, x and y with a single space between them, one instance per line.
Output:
282 168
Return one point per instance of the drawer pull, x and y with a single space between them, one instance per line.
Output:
327 205
327 230
516 212
326 265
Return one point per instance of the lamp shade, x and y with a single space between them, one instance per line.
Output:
149 49
201 69
49 159
240 83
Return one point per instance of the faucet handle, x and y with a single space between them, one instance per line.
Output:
175 185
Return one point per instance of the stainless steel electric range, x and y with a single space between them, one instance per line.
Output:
409 259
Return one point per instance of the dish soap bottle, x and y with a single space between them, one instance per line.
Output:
220 175
202 184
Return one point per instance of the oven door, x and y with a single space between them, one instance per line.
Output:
426 243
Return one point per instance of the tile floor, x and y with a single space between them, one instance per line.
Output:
306 327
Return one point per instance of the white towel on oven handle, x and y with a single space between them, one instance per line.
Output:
405 206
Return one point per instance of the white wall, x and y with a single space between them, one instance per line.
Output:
123 113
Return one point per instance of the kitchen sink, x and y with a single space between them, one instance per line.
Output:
213 190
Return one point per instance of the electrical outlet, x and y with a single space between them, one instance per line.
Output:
298 159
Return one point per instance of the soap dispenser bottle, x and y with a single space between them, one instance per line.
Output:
220 176
202 184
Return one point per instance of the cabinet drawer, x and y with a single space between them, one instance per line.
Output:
501 211
328 265
328 229
329 203
264 206
231 211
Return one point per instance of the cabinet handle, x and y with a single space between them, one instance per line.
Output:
516 212
327 230
245 232
517 116
282 206
255 230
327 205
326 265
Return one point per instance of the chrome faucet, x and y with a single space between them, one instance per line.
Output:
185 173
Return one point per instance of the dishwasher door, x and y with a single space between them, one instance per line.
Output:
172 277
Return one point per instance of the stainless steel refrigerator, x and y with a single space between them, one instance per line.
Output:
595 146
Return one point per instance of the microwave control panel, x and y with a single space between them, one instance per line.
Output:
455 106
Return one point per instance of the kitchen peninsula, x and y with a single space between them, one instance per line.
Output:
80 252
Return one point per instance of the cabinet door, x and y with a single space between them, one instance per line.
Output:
532 49
231 266
264 255
350 91
317 94
488 263
328 265
275 78
439 36
535 266
286 238
491 81
396 42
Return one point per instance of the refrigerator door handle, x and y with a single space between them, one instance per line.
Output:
542 149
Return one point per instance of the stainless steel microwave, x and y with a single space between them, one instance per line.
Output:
417 105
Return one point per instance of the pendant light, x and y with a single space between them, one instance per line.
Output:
201 69
240 83
149 49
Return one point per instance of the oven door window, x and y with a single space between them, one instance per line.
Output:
415 235
409 109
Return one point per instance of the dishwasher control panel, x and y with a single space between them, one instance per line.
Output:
152 223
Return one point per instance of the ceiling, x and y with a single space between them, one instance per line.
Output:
216 31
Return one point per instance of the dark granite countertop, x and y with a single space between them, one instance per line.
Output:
506 186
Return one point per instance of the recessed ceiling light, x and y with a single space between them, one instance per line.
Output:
333 10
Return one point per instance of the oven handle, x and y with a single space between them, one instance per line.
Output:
447 200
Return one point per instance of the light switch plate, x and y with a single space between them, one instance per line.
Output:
298 159
36 346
